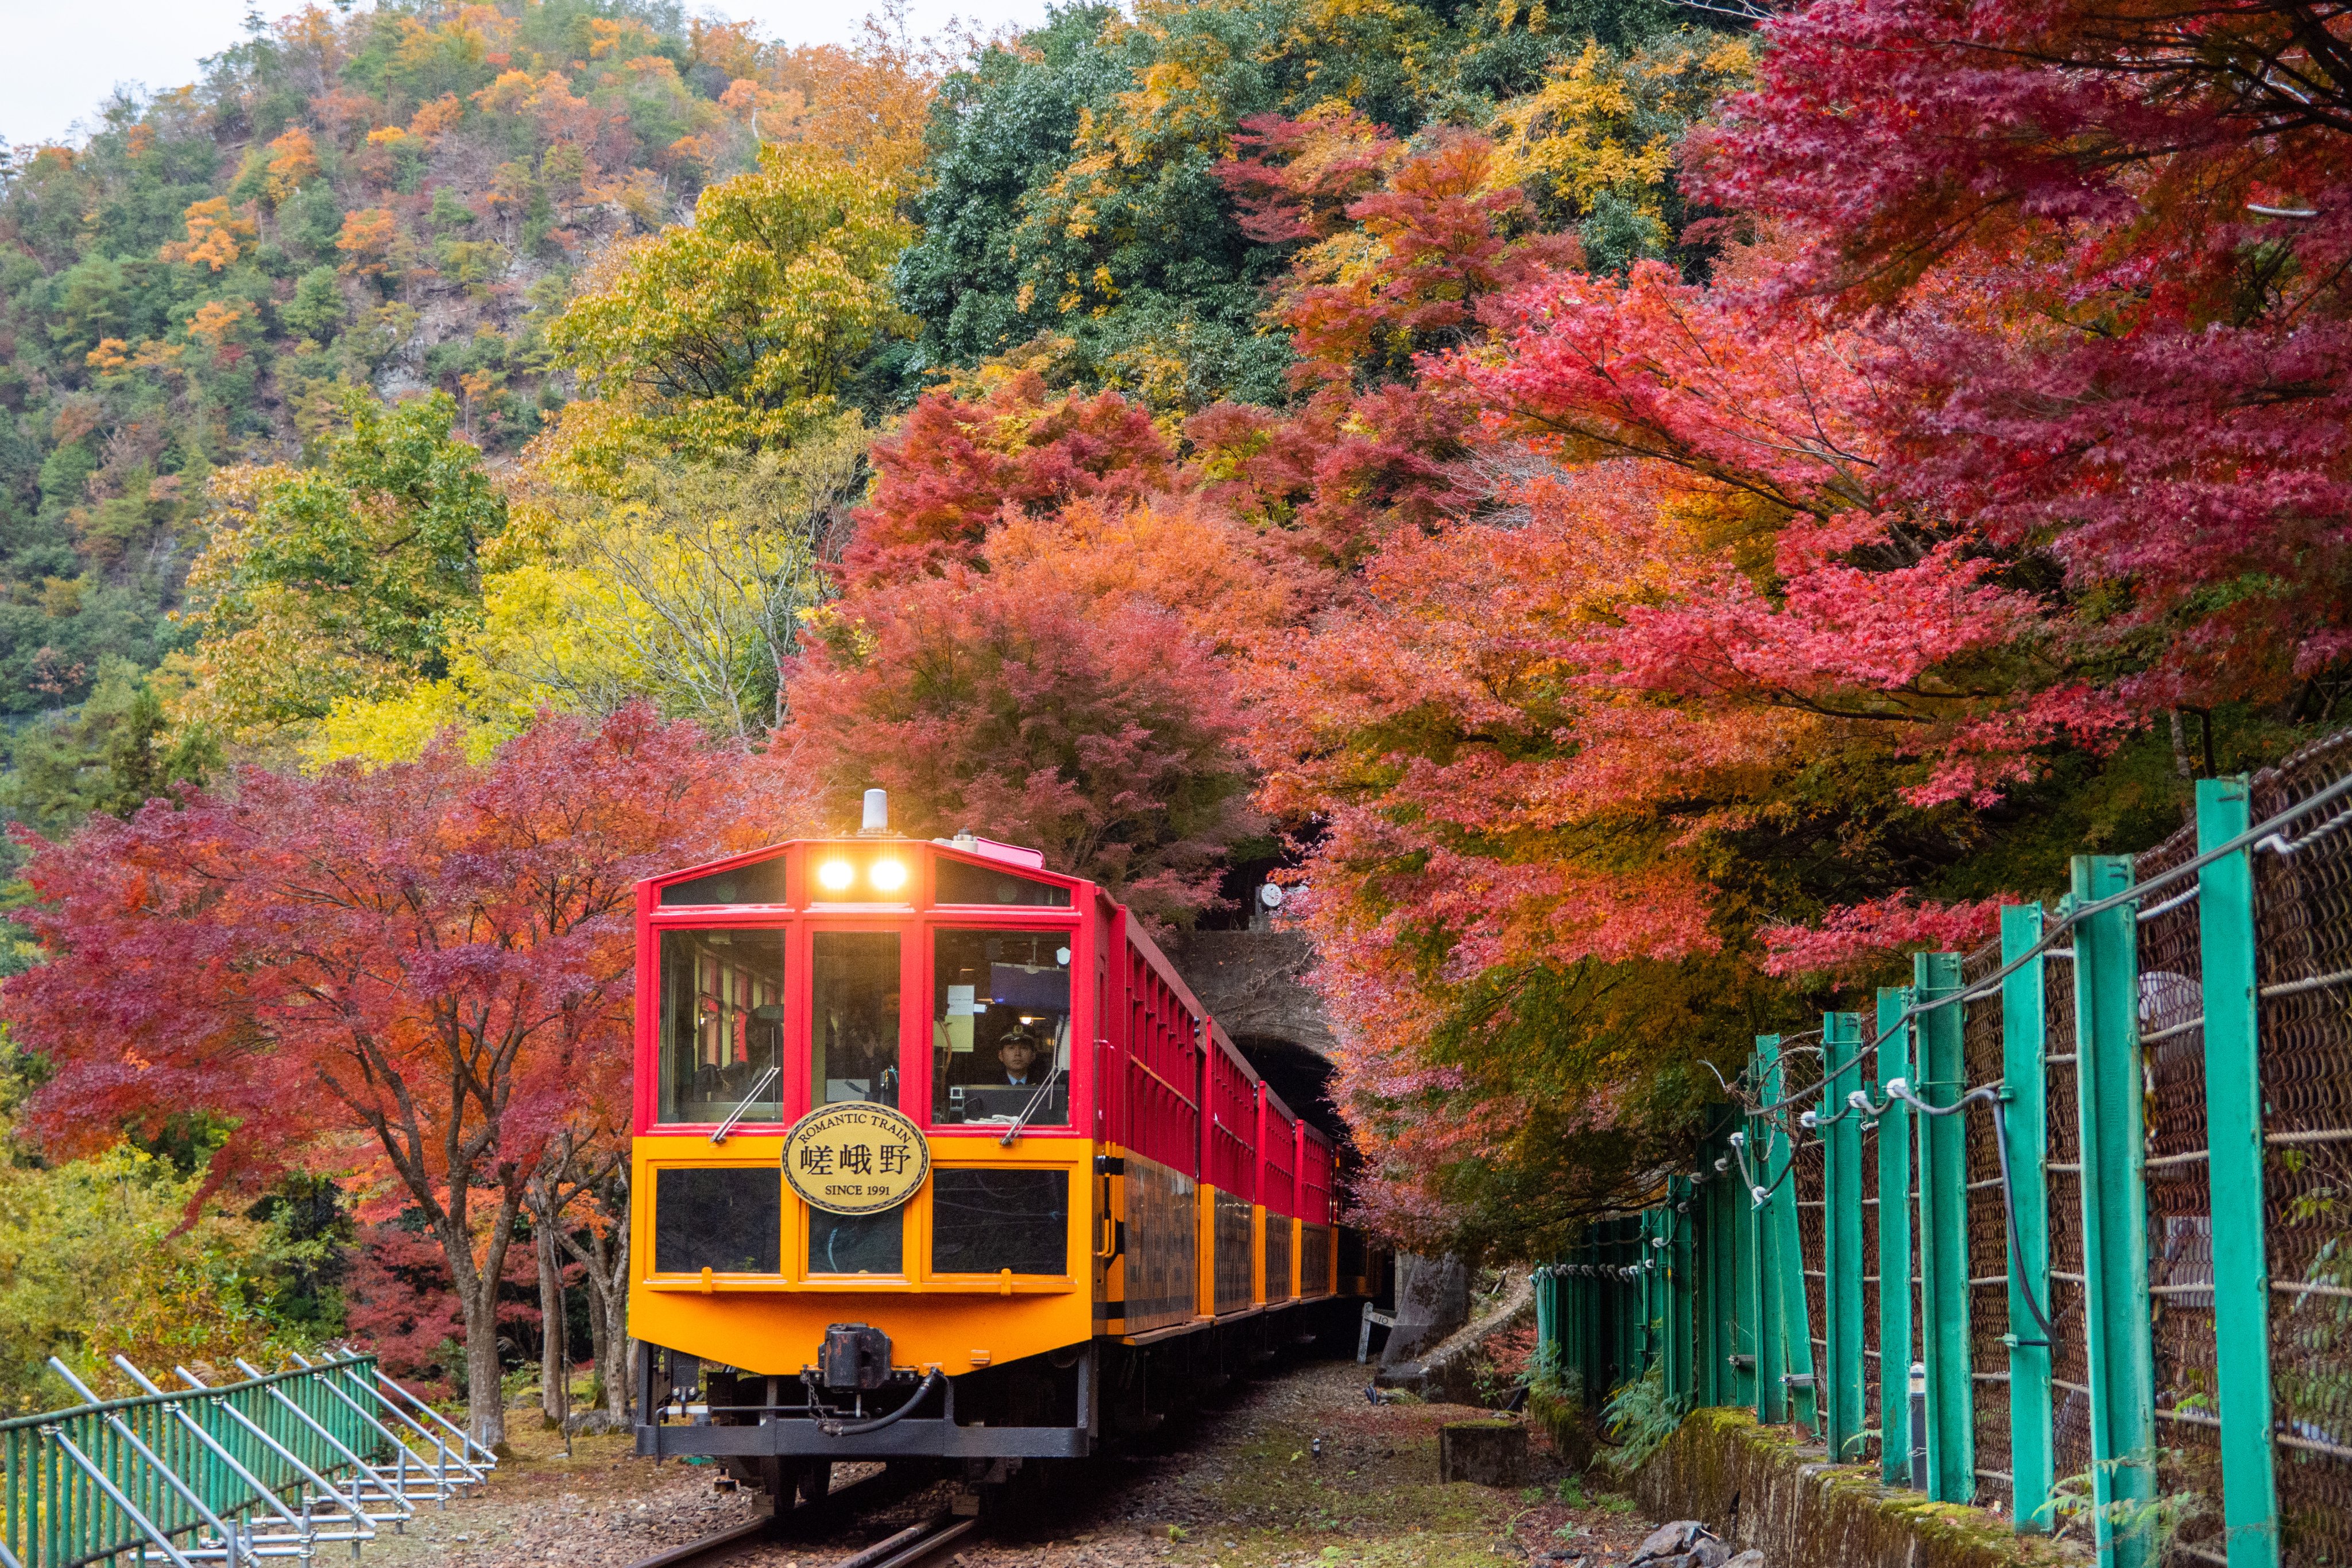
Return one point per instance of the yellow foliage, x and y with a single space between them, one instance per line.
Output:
1602 122
213 320
731 333
367 239
395 728
625 38
732 47
111 354
683 585
431 119
867 104
514 90
95 1261
214 235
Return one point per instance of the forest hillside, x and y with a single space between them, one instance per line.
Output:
384 203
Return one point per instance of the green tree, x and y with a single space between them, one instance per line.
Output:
317 309
737 332
113 753
348 579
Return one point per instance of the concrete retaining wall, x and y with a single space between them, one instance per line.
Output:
1758 1486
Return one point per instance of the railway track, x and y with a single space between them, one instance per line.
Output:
915 1544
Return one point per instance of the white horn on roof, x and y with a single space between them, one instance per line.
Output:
877 812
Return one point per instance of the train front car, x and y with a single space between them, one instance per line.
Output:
865 1216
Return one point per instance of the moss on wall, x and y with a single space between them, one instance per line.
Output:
1763 1486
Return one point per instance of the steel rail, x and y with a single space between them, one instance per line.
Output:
902 1550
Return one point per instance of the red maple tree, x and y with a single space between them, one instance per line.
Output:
426 966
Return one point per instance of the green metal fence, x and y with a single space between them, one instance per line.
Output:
277 1465
2064 1228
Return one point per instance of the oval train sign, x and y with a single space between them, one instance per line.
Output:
855 1157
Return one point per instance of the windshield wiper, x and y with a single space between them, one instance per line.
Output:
758 1091
1039 1097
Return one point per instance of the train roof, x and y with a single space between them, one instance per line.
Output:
787 875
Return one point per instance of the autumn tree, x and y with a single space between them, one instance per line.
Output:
1045 702
953 464
2110 245
680 583
347 579
429 960
739 331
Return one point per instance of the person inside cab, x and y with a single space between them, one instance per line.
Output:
1023 1057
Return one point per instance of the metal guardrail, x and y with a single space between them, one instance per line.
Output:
2063 1226
276 1465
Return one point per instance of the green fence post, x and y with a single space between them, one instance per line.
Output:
2117 1338
1546 1289
2233 1138
1740 1222
2024 1076
1646 1291
1796 1319
1682 1295
1661 1253
1772 1362
1943 1232
1842 1265
1613 1292
1628 1296
1707 1277
1894 1242
1722 1233
1634 1294
1648 1286
1581 1306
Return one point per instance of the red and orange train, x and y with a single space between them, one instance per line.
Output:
938 1156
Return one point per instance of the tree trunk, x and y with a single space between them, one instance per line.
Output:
486 1411
478 1290
604 1260
554 1362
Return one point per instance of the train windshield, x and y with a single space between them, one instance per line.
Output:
1000 1026
722 1025
854 1016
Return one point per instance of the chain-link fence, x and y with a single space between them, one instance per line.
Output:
2080 1200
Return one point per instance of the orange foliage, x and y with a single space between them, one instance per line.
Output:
431 119
367 237
213 234
293 163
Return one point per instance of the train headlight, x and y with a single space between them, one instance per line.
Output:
888 875
834 877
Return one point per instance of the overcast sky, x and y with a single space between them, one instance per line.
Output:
63 57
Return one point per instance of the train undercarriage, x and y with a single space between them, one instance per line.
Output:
783 1433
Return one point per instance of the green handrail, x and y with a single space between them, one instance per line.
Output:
113 1476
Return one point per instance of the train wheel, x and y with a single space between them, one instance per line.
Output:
813 1480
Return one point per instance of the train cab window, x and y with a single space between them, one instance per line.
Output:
722 1025
728 1219
960 882
854 1016
761 882
987 1220
1000 1026
858 1243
